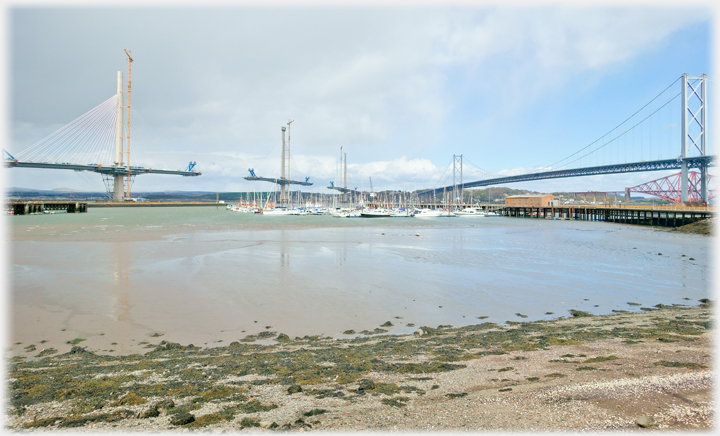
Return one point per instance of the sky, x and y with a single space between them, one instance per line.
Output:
401 88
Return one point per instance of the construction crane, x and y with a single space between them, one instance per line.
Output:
127 183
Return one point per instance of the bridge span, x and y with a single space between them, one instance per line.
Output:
691 140
657 165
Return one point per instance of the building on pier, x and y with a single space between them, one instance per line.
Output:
532 200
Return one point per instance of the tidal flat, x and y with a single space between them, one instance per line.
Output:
206 320
112 278
585 372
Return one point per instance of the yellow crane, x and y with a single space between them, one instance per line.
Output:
127 183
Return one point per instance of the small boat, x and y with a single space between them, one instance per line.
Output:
491 213
402 213
276 212
375 213
346 212
470 212
427 213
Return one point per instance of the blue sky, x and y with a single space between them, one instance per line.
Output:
401 88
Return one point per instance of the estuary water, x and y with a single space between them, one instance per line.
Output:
122 279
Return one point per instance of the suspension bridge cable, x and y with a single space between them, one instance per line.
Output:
486 173
443 174
616 127
624 133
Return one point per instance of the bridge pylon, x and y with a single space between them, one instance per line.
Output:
457 180
694 132
118 188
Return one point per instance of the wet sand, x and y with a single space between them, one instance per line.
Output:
583 373
114 279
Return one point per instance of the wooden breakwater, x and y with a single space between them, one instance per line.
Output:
27 207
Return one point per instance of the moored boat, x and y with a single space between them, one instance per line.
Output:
375 213
470 212
428 213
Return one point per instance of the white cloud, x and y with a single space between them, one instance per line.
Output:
385 83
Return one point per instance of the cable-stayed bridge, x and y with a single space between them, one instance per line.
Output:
670 132
97 141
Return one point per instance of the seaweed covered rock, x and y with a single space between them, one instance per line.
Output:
366 385
168 346
149 412
182 418
294 389
579 313
78 350
166 404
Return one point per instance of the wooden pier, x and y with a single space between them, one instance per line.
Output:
661 216
27 207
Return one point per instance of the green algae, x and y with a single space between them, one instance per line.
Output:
95 380
688 365
131 399
395 402
601 359
315 412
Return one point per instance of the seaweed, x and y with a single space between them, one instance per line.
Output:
688 365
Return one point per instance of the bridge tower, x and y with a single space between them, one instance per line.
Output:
118 178
457 177
283 186
694 132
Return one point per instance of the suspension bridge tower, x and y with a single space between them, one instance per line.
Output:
458 180
694 133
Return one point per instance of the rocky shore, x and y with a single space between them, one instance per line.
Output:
703 227
616 372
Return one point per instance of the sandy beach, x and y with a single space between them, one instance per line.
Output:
599 373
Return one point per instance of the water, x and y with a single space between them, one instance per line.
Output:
209 276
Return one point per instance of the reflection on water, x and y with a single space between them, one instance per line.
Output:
121 281
215 275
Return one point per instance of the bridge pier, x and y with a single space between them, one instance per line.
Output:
118 191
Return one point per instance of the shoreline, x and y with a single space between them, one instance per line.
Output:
584 372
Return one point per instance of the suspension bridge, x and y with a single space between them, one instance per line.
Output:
100 135
648 140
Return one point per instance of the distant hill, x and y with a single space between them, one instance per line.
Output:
65 190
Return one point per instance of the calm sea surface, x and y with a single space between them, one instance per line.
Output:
206 275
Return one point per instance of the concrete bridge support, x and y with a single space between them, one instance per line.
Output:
118 191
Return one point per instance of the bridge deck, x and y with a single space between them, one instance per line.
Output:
98 168
656 165
279 181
